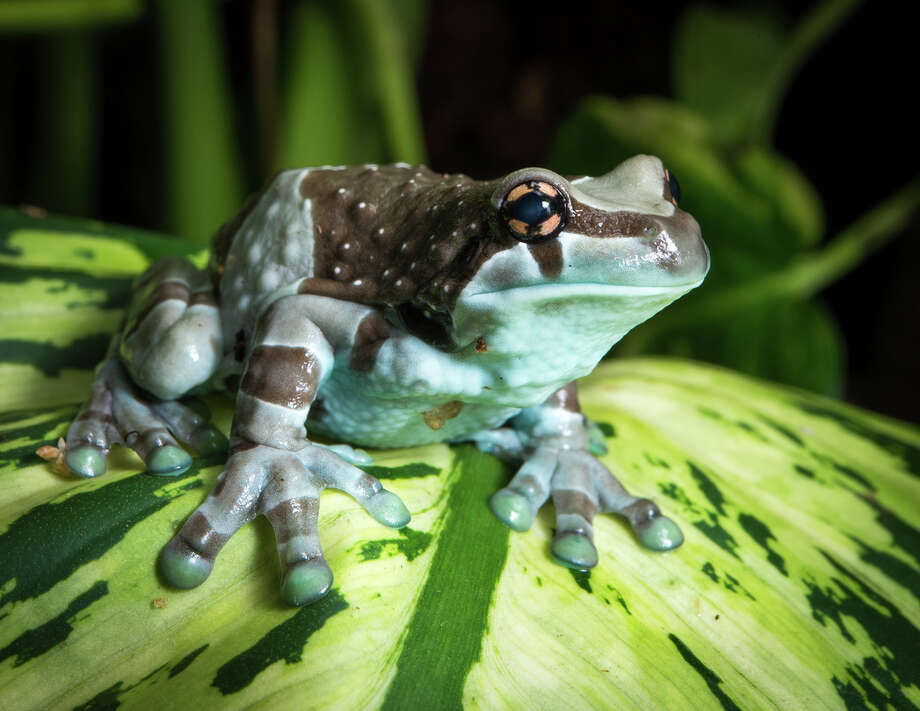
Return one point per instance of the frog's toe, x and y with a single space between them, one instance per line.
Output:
517 504
574 550
306 581
654 530
168 460
86 461
512 509
207 441
183 567
659 534
387 508
189 422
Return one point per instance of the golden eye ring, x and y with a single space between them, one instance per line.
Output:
534 211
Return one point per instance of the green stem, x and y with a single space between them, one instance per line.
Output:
34 16
806 36
388 58
66 170
204 183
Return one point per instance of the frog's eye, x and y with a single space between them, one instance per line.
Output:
534 211
671 188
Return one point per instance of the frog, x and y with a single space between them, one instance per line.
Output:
393 306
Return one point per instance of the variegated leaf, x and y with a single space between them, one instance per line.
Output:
796 587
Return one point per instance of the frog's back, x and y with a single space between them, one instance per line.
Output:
344 228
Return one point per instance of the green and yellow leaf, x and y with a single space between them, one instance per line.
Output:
796 587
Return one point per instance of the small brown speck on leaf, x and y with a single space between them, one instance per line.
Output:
55 455
159 603
481 346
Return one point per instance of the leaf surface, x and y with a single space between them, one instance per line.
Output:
796 586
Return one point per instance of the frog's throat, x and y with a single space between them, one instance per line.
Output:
596 314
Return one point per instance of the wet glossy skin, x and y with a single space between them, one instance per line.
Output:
394 306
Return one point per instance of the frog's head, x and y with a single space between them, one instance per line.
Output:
585 259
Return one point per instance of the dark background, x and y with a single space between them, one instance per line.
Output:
495 80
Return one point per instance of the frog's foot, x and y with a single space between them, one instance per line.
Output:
285 487
117 412
580 486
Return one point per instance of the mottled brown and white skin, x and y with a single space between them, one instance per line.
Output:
392 306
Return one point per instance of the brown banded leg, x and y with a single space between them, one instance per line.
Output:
290 501
307 576
188 558
575 500
273 468
654 530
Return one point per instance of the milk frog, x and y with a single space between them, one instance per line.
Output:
390 306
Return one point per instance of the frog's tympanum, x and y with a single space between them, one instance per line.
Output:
393 306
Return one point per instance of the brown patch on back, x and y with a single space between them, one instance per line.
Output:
436 417
369 337
281 375
393 235
548 256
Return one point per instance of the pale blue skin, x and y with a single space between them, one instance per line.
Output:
521 336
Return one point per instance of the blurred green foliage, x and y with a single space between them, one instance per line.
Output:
762 220
337 86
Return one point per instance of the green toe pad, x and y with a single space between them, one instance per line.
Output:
512 509
660 534
168 461
306 582
208 440
575 551
86 461
387 508
183 568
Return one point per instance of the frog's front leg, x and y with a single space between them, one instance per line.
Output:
273 468
555 442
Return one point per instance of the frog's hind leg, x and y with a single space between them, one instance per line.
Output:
170 342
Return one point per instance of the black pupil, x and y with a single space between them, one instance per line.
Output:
673 187
532 208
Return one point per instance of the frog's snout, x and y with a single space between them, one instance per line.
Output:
678 251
